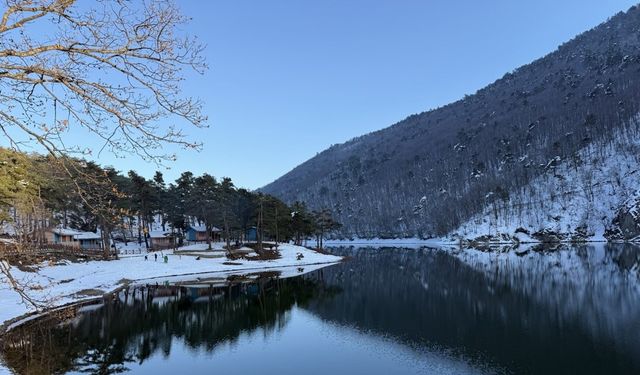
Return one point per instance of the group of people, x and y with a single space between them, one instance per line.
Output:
155 255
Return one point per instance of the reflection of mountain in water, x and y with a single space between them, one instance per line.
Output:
138 324
594 286
571 311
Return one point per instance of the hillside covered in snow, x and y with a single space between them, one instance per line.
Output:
507 150
593 194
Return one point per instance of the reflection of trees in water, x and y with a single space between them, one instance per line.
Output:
133 327
595 286
567 311
571 311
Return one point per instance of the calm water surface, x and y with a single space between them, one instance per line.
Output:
386 311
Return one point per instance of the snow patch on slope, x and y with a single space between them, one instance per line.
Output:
577 198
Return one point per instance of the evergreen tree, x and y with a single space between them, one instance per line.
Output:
277 219
227 197
323 222
246 208
143 199
302 224
204 202
160 192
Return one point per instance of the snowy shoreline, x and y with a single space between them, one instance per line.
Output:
70 283
445 242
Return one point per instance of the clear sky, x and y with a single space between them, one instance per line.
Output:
289 78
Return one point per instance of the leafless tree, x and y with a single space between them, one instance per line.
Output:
24 287
111 68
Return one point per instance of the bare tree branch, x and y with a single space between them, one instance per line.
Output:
115 67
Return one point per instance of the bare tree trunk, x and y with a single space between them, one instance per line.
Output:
259 228
146 234
227 235
276 226
140 230
106 245
173 236
115 249
124 233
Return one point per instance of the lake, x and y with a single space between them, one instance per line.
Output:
571 310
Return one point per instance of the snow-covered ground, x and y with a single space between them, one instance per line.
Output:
580 194
69 282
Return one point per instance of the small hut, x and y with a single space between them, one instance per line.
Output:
161 239
198 233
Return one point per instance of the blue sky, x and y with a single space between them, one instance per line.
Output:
289 78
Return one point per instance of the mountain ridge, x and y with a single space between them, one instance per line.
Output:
430 172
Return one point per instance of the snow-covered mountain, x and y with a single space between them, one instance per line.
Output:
540 135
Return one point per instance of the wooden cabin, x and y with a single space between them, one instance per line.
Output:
89 240
199 233
61 236
161 239
73 238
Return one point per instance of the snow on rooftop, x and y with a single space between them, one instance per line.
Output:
77 234
65 231
203 228
159 233
87 236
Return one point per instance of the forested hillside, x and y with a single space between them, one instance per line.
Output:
434 171
593 195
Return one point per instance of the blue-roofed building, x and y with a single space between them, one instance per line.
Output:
199 233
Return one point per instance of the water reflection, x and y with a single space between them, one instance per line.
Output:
107 337
571 310
565 310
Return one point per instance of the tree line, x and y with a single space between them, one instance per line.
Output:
37 193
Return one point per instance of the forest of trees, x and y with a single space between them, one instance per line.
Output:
34 196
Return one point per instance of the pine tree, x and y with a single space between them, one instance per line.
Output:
204 202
